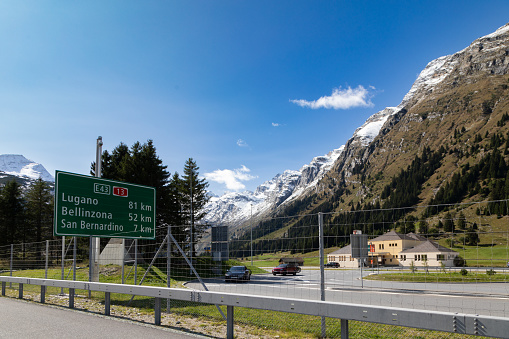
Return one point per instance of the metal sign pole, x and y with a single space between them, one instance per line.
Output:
94 260
63 262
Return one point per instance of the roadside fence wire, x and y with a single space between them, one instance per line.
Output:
451 258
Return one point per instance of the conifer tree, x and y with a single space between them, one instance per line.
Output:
194 197
140 165
39 203
12 221
175 203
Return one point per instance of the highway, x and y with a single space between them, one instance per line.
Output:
343 285
23 319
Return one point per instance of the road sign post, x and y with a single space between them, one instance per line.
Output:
89 206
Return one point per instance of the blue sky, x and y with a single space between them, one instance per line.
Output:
235 85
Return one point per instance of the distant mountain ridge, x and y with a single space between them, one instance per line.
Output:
385 137
16 165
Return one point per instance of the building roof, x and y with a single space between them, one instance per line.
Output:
393 235
344 250
428 247
417 237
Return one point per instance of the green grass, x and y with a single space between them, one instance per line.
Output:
452 277
485 255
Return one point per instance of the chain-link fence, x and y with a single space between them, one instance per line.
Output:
440 258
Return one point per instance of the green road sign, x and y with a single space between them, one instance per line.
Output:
89 206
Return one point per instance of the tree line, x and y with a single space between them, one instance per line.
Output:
26 214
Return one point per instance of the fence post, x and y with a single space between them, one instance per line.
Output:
12 258
90 263
107 303
74 258
20 290
47 259
344 329
71 298
322 271
229 322
123 259
168 266
43 294
157 311
135 261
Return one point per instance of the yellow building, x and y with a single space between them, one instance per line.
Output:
394 249
385 249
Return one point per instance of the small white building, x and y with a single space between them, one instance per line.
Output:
343 257
428 253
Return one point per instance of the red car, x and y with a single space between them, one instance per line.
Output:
285 269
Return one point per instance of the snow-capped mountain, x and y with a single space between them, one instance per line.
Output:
235 208
19 166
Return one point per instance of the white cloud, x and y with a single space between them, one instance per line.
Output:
275 124
242 143
340 99
231 178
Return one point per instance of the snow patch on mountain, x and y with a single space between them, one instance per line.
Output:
237 207
283 188
18 165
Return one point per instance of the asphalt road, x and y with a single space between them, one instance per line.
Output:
345 286
22 319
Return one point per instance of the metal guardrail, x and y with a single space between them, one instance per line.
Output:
424 319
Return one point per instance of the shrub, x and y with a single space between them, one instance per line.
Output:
490 272
459 261
463 271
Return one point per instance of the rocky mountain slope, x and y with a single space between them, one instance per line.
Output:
235 208
455 99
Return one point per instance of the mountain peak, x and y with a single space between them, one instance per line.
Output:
18 165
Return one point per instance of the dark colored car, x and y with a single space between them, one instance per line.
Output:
237 273
332 264
285 269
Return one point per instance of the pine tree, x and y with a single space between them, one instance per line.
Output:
176 219
140 165
39 203
448 223
12 218
461 221
194 198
